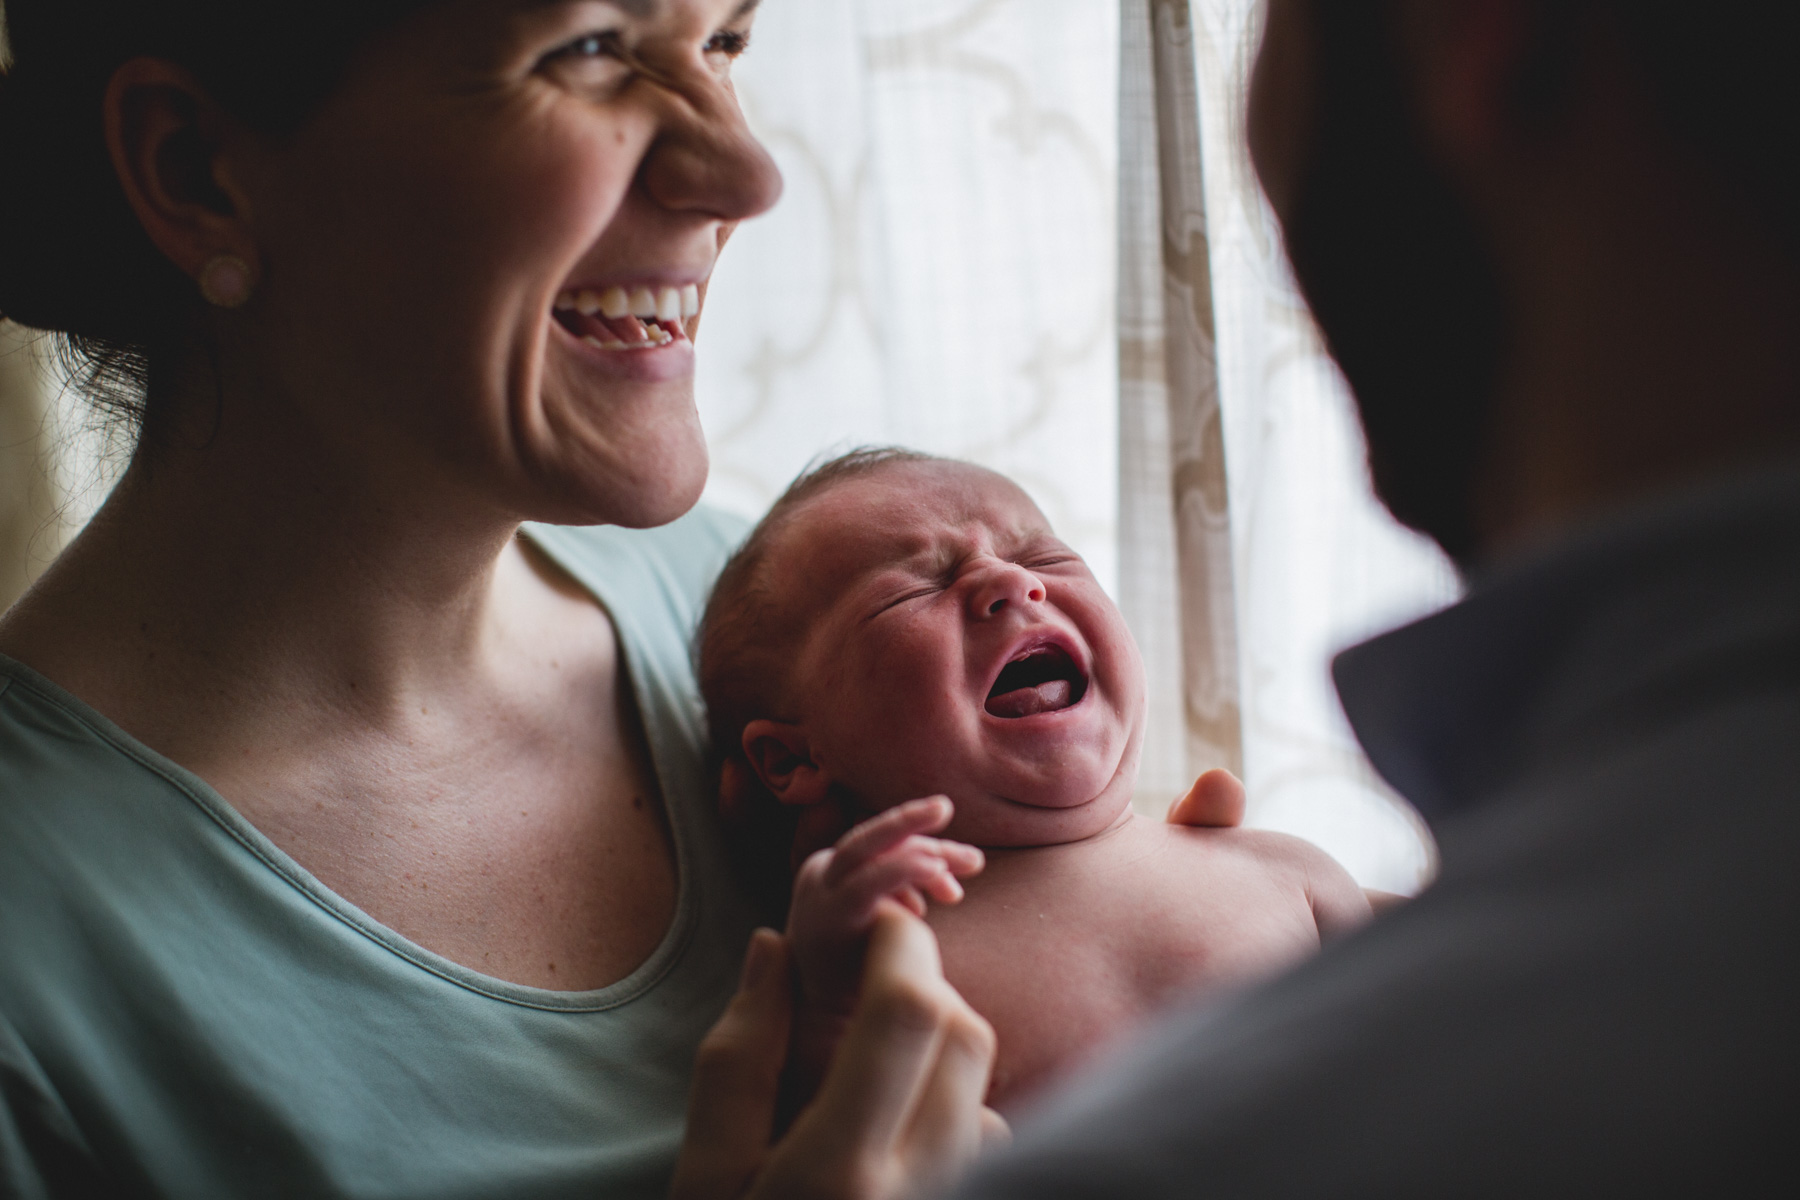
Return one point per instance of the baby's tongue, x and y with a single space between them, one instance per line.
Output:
1029 701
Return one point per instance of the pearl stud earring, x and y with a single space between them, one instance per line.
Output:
226 281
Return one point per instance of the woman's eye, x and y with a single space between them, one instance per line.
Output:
593 45
594 64
728 42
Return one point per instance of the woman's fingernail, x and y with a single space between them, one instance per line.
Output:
759 959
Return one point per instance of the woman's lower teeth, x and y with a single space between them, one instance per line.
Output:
654 336
640 318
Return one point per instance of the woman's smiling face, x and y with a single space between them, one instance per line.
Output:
428 236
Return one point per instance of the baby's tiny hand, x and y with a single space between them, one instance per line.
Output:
887 859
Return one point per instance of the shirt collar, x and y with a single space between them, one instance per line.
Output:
1450 707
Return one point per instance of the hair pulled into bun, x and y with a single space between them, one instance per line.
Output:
74 260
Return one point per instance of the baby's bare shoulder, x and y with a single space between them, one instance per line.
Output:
1252 847
1287 861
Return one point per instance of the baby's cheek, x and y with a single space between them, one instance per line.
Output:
899 724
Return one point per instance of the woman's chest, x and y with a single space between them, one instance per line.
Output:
538 856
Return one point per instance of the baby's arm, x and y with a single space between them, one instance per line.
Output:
888 859
1338 904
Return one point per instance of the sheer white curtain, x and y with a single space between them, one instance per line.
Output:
940 270
942 274
1319 564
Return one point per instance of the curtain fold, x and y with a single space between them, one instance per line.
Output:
1176 574
1252 547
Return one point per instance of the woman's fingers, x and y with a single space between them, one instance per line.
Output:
737 1074
1215 801
888 1051
950 1123
901 1105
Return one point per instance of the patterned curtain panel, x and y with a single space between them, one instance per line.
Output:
1175 567
1242 472
940 270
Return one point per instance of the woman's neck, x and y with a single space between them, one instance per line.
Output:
269 571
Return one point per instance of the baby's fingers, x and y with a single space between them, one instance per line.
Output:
884 831
943 888
960 859
916 866
912 900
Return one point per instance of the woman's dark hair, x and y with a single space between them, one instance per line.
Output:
74 260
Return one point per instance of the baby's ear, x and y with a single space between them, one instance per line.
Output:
781 756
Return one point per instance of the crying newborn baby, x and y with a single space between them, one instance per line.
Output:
901 626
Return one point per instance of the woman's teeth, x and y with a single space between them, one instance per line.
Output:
640 318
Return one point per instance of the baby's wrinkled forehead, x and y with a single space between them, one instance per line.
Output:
911 512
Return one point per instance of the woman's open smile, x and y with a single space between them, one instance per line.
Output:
630 331
637 317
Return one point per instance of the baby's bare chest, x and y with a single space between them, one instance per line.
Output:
1064 956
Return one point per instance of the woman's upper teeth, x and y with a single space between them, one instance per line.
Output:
643 301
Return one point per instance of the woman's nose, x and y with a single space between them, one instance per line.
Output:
1002 586
707 160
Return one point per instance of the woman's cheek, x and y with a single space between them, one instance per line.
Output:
560 181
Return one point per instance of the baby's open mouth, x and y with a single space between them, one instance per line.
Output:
618 318
1042 679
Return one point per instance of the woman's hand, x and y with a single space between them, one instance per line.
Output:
1215 801
899 1111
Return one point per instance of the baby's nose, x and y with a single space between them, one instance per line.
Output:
1005 584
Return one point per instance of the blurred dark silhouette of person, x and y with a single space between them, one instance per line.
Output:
1553 246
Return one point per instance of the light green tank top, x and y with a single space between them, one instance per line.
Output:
186 1012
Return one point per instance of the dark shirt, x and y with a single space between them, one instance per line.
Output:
1597 996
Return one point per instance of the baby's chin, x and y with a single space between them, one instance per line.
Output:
997 823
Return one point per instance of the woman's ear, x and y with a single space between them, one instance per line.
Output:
781 756
168 142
